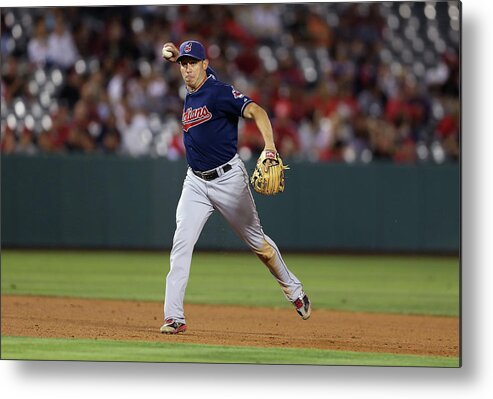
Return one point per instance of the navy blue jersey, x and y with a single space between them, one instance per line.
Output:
210 124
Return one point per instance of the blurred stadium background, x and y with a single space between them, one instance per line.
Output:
362 96
342 81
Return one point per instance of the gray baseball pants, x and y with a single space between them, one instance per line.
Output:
230 195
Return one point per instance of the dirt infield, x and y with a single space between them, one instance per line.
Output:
49 317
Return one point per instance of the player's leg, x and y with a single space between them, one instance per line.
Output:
192 213
233 199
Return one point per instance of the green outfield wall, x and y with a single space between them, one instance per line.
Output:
98 201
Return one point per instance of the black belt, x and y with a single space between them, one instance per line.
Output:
213 173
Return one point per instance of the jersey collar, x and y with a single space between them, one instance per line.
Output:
198 88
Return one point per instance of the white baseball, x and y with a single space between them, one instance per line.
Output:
166 53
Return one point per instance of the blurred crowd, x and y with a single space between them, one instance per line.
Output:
348 82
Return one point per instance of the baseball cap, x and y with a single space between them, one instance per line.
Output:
192 48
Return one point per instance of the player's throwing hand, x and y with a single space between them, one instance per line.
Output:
170 52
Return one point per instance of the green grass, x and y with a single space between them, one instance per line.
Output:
418 285
397 284
135 351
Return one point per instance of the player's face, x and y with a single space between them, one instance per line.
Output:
193 71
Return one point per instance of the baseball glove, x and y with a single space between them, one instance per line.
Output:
268 176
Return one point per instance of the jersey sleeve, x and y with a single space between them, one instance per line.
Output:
231 101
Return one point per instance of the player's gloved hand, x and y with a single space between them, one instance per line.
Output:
268 176
270 159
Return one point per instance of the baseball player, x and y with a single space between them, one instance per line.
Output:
216 179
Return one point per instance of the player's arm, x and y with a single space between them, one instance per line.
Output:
258 114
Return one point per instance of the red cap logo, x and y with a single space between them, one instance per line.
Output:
188 47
